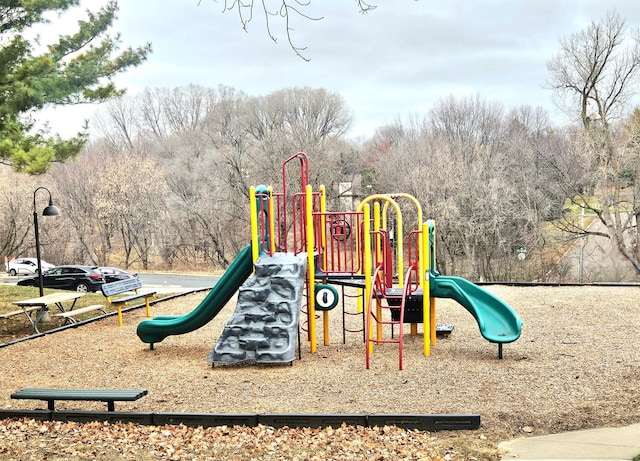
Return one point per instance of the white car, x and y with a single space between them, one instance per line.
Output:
26 266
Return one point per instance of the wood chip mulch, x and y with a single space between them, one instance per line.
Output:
576 366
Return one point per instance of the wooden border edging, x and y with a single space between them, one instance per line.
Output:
439 422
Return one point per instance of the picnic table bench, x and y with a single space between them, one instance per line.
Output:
100 395
42 304
125 286
26 310
68 316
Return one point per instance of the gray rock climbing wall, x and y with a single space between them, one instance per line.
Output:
264 327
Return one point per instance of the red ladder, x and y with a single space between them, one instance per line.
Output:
376 315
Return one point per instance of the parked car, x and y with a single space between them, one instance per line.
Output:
26 266
76 278
113 274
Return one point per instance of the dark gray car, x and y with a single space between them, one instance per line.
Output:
75 278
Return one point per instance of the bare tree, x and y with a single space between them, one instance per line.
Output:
78 186
477 171
595 74
117 124
115 213
15 206
298 119
285 10
153 120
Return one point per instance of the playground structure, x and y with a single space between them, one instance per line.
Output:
300 251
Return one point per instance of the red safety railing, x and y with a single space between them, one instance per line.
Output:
291 221
382 255
338 236
375 318
413 257
289 208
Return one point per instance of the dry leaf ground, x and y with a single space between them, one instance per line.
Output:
576 365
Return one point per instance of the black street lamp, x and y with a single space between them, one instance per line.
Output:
50 210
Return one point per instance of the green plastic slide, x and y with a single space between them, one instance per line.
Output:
498 322
155 330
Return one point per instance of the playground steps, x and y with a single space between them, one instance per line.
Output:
413 309
264 326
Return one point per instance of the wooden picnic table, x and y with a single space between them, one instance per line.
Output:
41 304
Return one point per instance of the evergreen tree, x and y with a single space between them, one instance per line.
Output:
77 68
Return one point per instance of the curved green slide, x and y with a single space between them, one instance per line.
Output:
157 329
498 322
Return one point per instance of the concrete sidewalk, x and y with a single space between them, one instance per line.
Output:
620 443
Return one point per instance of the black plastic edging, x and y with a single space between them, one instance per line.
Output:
432 423
145 419
205 419
313 420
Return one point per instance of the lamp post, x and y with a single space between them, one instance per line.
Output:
50 210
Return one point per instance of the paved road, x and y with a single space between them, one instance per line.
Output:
161 282
596 259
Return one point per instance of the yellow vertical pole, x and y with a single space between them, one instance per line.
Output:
323 224
361 262
398 232
421 274
432 301
400 243
377 246
272 223
311 269
366 242
376 228
325 324
323 245
253 216
426 293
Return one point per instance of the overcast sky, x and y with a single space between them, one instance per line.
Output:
394 62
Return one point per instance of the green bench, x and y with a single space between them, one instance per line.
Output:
109 290
99 395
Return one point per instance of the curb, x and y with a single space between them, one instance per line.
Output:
437 422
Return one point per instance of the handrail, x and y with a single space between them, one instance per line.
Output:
415 202
387 198
304 181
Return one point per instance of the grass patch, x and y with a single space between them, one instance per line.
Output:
18 326
11 293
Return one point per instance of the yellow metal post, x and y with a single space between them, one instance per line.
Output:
426 293
325 324
146 305
120 323
378 257
366 242
253 216
323 247
323 224
432 300
271 224
311 269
